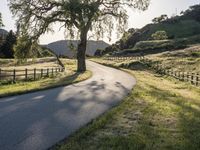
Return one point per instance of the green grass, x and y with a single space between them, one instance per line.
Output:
62 79
160 113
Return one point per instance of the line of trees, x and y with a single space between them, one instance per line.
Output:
6 47
20 47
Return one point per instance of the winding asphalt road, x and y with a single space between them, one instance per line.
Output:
38 120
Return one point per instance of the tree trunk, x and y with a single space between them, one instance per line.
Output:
57 58
81 66
59 61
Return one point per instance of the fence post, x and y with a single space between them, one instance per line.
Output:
14 75
183 76
34 74
187 76
48 72
197 79
41 73
175 73
52 71
26 74
192 78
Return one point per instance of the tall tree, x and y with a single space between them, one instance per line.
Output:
7 47
1 21
77 16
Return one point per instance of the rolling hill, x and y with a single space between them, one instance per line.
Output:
63 47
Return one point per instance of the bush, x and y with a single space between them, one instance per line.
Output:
160 35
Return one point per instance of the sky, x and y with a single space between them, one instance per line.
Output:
137 19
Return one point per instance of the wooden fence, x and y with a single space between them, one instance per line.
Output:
139 57
28 74
193 78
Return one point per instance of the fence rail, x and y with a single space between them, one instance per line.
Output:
28 74
193 78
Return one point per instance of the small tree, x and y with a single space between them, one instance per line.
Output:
23 48
77 16
160 35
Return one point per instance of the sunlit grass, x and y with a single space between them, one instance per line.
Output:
68 77
186 60
160 113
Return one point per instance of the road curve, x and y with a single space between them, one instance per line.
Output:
38 120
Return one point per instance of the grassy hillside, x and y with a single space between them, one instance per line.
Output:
178 29
187 59
184 60
159 46
182 33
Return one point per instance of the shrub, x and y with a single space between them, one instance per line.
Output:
160 35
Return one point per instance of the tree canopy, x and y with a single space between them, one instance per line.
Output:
193 12
160 19
78 17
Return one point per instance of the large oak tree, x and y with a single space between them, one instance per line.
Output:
78 17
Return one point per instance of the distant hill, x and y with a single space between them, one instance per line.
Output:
63 47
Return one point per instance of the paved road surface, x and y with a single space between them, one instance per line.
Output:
38 120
